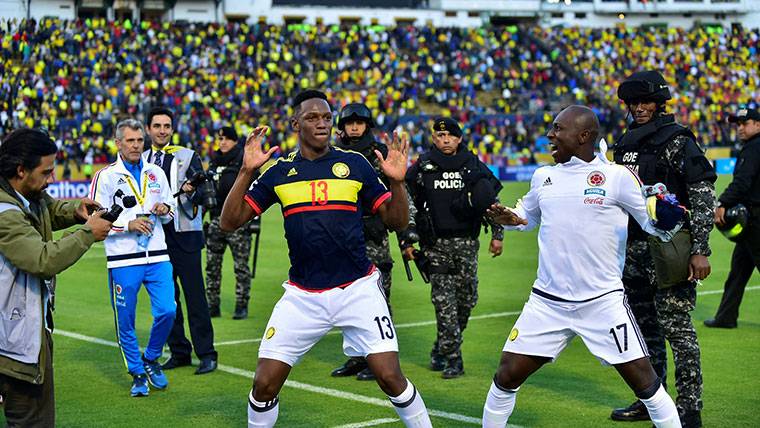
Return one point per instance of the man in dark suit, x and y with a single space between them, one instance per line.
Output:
184 239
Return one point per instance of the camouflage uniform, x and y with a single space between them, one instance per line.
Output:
240 246
455 293
378 250
665 313
379 253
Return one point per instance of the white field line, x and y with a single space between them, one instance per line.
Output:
702 293
406 325
369 423
294 384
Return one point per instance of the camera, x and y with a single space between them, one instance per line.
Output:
112 214
204 183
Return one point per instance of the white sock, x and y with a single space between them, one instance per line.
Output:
499 405
410 408
262 414
662 409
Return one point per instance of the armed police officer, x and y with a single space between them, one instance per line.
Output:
451 190
661 290
224 167
355 133
743 190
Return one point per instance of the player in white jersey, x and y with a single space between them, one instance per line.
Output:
578 291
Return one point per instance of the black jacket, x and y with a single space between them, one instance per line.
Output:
745 187
225 168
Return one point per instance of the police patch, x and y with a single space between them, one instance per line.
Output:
341 170
270 332
596 179
513 334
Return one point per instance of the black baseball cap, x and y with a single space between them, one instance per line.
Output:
227 132
447 124
744 114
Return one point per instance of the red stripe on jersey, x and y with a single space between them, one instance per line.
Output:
328 207
253 204
379 201
94 183
344 285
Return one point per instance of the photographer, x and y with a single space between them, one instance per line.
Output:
184 238
29 261
224 168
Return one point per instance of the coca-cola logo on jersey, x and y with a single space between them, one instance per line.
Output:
594 201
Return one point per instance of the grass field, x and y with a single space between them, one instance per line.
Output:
92 386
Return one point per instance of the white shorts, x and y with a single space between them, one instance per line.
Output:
606 325
300 319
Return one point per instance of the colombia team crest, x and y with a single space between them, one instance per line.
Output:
596 179
269 333
513 334
341 170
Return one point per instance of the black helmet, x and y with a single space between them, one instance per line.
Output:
736 219
644 85
355 111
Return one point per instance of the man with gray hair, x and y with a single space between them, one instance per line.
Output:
136 252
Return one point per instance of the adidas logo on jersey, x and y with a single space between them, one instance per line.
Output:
121 181
547 182
292 172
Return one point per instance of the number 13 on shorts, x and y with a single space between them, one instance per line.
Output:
385 327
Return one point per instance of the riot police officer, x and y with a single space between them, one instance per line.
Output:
224 168
743 190
355 133
660 150
451 189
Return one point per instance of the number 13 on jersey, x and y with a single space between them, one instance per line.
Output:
318 192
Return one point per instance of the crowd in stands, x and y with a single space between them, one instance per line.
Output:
710 71
78 78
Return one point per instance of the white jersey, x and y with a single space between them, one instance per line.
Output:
582 209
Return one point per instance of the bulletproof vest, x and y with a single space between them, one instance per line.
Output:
443 188
374 228
642 150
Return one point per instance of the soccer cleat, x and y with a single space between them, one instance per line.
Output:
714 323
351 367
635 412
139 386
454 368
156 376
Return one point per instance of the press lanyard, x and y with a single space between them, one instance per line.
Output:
140 196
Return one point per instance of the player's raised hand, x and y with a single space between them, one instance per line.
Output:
503 215
253 155
395 164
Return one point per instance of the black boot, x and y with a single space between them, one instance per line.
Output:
366 374
351 367
241 313
437 361
691 419
454 368
635 412
214 312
